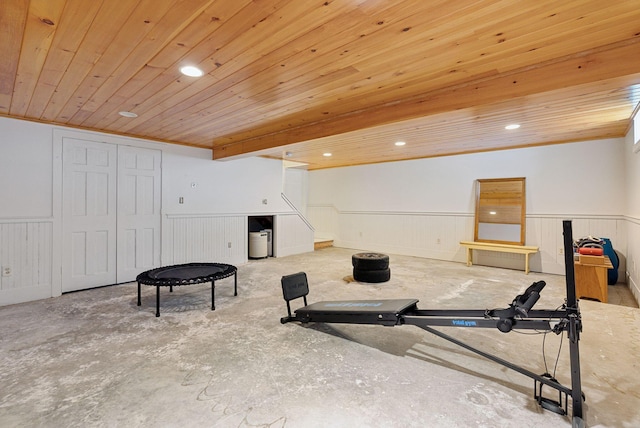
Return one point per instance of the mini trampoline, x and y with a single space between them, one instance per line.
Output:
187 274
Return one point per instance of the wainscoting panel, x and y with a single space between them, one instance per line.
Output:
324 219
292 235
633 256
216 238
26 260
438 235
188 239
424 235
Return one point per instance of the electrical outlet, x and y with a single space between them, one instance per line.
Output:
561 251
229 244
438 241
6 271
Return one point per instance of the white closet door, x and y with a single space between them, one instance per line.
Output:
138 211
89 214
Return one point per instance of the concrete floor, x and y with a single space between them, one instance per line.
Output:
94 358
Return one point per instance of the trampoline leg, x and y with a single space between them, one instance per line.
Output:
235 283
157 300
213 287
139 302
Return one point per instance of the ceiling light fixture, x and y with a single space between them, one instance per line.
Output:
191 71
512 126
326 155
288 154
127 114
400 143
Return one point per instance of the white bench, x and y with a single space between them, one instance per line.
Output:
503 248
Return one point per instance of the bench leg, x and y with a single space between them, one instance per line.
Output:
526 264
469 256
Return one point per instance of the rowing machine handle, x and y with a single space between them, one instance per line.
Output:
530 297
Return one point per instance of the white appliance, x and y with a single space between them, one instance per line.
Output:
269 233
258 245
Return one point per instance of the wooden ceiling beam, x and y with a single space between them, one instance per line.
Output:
582 68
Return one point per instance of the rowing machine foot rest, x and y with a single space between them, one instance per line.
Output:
554 406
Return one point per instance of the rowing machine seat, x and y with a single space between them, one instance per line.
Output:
294 286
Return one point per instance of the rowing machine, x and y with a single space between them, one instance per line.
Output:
519 315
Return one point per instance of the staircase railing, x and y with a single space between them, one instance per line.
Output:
297 211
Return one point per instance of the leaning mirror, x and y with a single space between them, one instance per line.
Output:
500 210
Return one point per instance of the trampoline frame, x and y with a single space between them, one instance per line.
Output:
147 278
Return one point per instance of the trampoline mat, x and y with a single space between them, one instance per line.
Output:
186 272
190 273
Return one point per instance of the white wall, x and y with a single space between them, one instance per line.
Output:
296 187
26 168
632 169
26 171
210 224
425 207
446 184
237 186
421 207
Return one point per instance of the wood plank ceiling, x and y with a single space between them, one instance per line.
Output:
349 77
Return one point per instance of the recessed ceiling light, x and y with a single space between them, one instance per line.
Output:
191 71
288 154
326 155
127 114
512 126
400 143
492 212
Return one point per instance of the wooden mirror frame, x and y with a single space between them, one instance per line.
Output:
500 211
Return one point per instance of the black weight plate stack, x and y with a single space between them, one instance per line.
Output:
371 267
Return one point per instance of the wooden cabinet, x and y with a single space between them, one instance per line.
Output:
591 279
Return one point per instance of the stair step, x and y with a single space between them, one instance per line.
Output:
323 243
